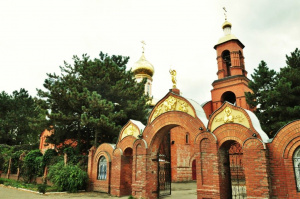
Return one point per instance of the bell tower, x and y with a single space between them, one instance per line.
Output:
232 82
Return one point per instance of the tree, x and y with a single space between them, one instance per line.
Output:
21 119
276 95
287 90
91 100
262 83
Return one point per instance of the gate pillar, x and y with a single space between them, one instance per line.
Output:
256 169
116 173
142 183
207 169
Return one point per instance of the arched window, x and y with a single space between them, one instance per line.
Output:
229 97
102 168
296 160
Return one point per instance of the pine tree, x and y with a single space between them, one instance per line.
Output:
276 95
91 100
262 83
21 119
287 90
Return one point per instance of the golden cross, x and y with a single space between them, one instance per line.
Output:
225 13
143 47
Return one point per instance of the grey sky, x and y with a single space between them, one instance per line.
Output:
37 36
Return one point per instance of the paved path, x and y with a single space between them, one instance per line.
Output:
179 191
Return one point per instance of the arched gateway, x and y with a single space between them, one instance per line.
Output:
220 144
146 159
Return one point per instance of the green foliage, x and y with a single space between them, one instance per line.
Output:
48 156
42 188
21 119
263 82
91 100
68 178
32 165
74 158
276 95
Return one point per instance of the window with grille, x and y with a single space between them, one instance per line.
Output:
296 160
102 168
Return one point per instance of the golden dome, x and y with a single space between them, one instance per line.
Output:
226 24
142 66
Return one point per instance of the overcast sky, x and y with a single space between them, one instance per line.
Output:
37 36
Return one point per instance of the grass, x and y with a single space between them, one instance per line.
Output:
21 184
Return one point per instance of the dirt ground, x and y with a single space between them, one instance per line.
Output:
179 190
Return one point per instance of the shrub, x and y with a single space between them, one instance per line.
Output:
42 188
68 178
32 166
48 156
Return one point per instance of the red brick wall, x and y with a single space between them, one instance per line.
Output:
281 151
182 151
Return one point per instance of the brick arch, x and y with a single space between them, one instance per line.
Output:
102 153
126 142
208 135
232 131
285 137
105 147
169 120
291 147
140 147
253 143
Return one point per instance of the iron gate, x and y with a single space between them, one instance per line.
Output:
164 166
238 183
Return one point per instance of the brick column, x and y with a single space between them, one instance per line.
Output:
256 169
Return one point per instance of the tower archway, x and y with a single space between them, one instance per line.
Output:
227 62
229 97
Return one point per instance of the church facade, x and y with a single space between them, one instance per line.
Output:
220 143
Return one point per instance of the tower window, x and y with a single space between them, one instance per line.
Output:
227 61
229 97
148 89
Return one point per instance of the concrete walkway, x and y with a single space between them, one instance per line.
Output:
179 190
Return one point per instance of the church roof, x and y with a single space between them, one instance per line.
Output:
139 124
256 124
199 111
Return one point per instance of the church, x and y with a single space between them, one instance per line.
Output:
219 144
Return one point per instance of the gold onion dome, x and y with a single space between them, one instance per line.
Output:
142 66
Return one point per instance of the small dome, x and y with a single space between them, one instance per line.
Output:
142 66
226 24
